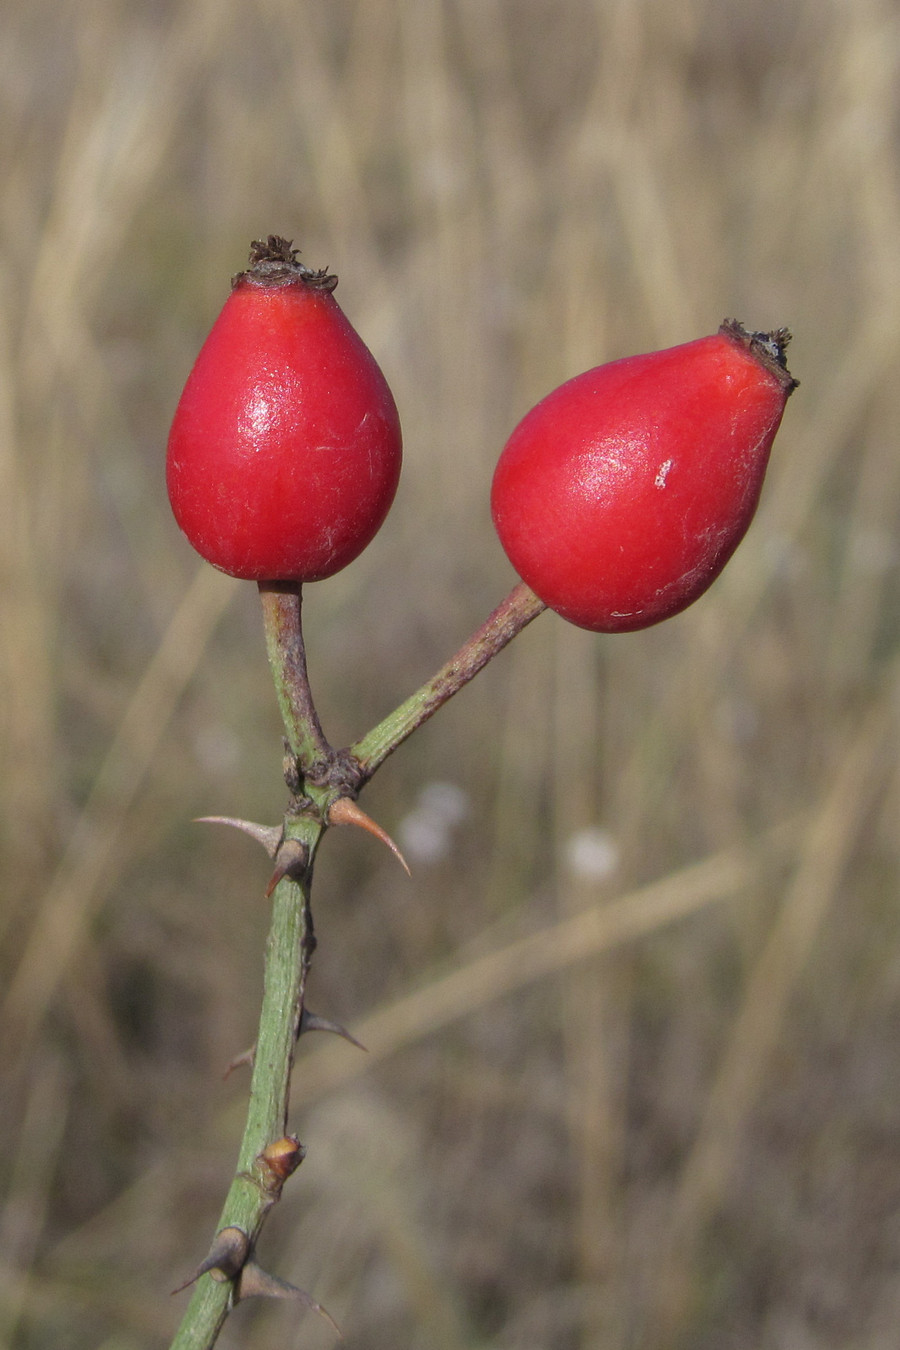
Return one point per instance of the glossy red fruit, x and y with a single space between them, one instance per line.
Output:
620 497
285 449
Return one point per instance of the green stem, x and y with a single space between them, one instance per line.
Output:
281 602
252 1194
508 619
255 1189
320 772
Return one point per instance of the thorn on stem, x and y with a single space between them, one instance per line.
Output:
245 1059
226 1257
290 860
344 811
256 1282
269 836
310 1021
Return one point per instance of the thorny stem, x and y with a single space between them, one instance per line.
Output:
289 950
320 771
252 1193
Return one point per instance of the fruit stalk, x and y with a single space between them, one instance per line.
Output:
506 621
281 602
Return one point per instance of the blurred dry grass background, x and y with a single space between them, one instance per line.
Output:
633 1074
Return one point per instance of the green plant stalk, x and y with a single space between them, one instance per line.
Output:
281 602
289 949
506 621
322 773
288 952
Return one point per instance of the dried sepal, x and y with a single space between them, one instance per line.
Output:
345 811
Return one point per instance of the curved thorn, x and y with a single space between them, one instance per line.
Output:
226 1257
291 857
345 811
310 1021
267 835
246 1059
256 1282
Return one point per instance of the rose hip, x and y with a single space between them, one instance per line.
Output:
285 449
621 496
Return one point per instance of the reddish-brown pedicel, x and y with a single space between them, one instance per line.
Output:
621 496
285 449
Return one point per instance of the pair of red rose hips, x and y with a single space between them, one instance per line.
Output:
618 499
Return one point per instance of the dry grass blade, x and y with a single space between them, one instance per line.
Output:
80 881
31 1181
563 945
828 843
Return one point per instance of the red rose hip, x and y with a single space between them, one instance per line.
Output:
285 449
621 496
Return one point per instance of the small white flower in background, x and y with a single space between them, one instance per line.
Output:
426 832
591 854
